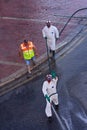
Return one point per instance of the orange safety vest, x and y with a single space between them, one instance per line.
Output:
28 51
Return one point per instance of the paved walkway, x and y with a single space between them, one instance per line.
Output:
25 20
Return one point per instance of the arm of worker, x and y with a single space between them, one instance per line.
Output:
44 34
20 53
56 33
35 51
55 80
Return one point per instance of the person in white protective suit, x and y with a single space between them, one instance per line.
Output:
51 34
50 93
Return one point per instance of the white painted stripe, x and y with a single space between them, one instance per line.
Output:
11 63
33 20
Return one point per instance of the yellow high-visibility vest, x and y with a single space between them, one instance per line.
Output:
28 51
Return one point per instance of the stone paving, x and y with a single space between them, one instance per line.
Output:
25 20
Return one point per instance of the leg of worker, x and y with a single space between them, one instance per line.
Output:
33 60
48 110
55 100
48 49
28 65
53 54
29 69
52 48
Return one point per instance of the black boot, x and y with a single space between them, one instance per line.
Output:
56 107
50 119
53 54
29 75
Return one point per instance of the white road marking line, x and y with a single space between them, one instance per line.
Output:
11 63
33 20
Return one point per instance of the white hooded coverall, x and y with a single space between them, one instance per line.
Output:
50 90
51 33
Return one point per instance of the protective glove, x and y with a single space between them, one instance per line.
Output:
53 74
47 97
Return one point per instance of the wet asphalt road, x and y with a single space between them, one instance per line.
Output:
25 109
73 87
